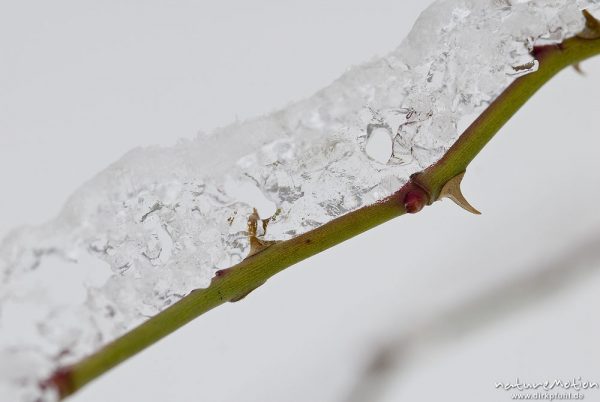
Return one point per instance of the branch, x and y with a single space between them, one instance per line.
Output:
437 181
537 284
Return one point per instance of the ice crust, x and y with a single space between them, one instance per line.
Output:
160 221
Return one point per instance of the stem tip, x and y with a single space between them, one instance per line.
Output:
61 382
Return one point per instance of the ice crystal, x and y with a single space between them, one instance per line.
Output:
160 221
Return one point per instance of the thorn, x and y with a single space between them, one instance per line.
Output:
242 297
452 191
257 245
577 67
222 273
592 27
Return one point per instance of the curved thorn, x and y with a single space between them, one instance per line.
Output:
592 27
578 69
452 191
257 245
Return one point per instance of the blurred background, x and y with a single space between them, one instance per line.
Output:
441 305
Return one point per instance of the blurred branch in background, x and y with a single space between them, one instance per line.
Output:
537 284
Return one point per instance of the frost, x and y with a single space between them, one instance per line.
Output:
160 221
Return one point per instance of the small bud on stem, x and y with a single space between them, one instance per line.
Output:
414 200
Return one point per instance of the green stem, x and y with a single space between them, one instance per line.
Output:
236 282
552 60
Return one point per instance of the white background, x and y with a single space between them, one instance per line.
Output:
82 82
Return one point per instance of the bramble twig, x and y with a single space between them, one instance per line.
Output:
437 181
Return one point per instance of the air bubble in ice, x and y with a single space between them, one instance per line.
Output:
379 145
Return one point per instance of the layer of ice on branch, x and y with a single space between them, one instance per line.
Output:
160 221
